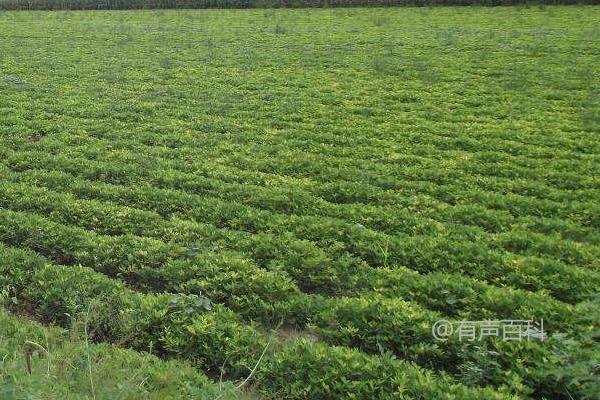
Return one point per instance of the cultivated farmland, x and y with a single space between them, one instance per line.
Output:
282 203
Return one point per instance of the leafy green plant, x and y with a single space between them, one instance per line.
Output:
348 181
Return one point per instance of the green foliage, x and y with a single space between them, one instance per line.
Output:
60 369
161 4
348 176
341 371
172 325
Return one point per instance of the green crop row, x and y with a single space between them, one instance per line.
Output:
146 263
366 323
354 173
266 198
388 217
451 294
491 171
212 339
488 172
58 294
388 325
544 174
577 254
420 143
422 253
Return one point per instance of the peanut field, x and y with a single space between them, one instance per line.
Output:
280 204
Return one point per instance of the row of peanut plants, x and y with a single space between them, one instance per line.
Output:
362 322
501 211
424 253
210 336
388 219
